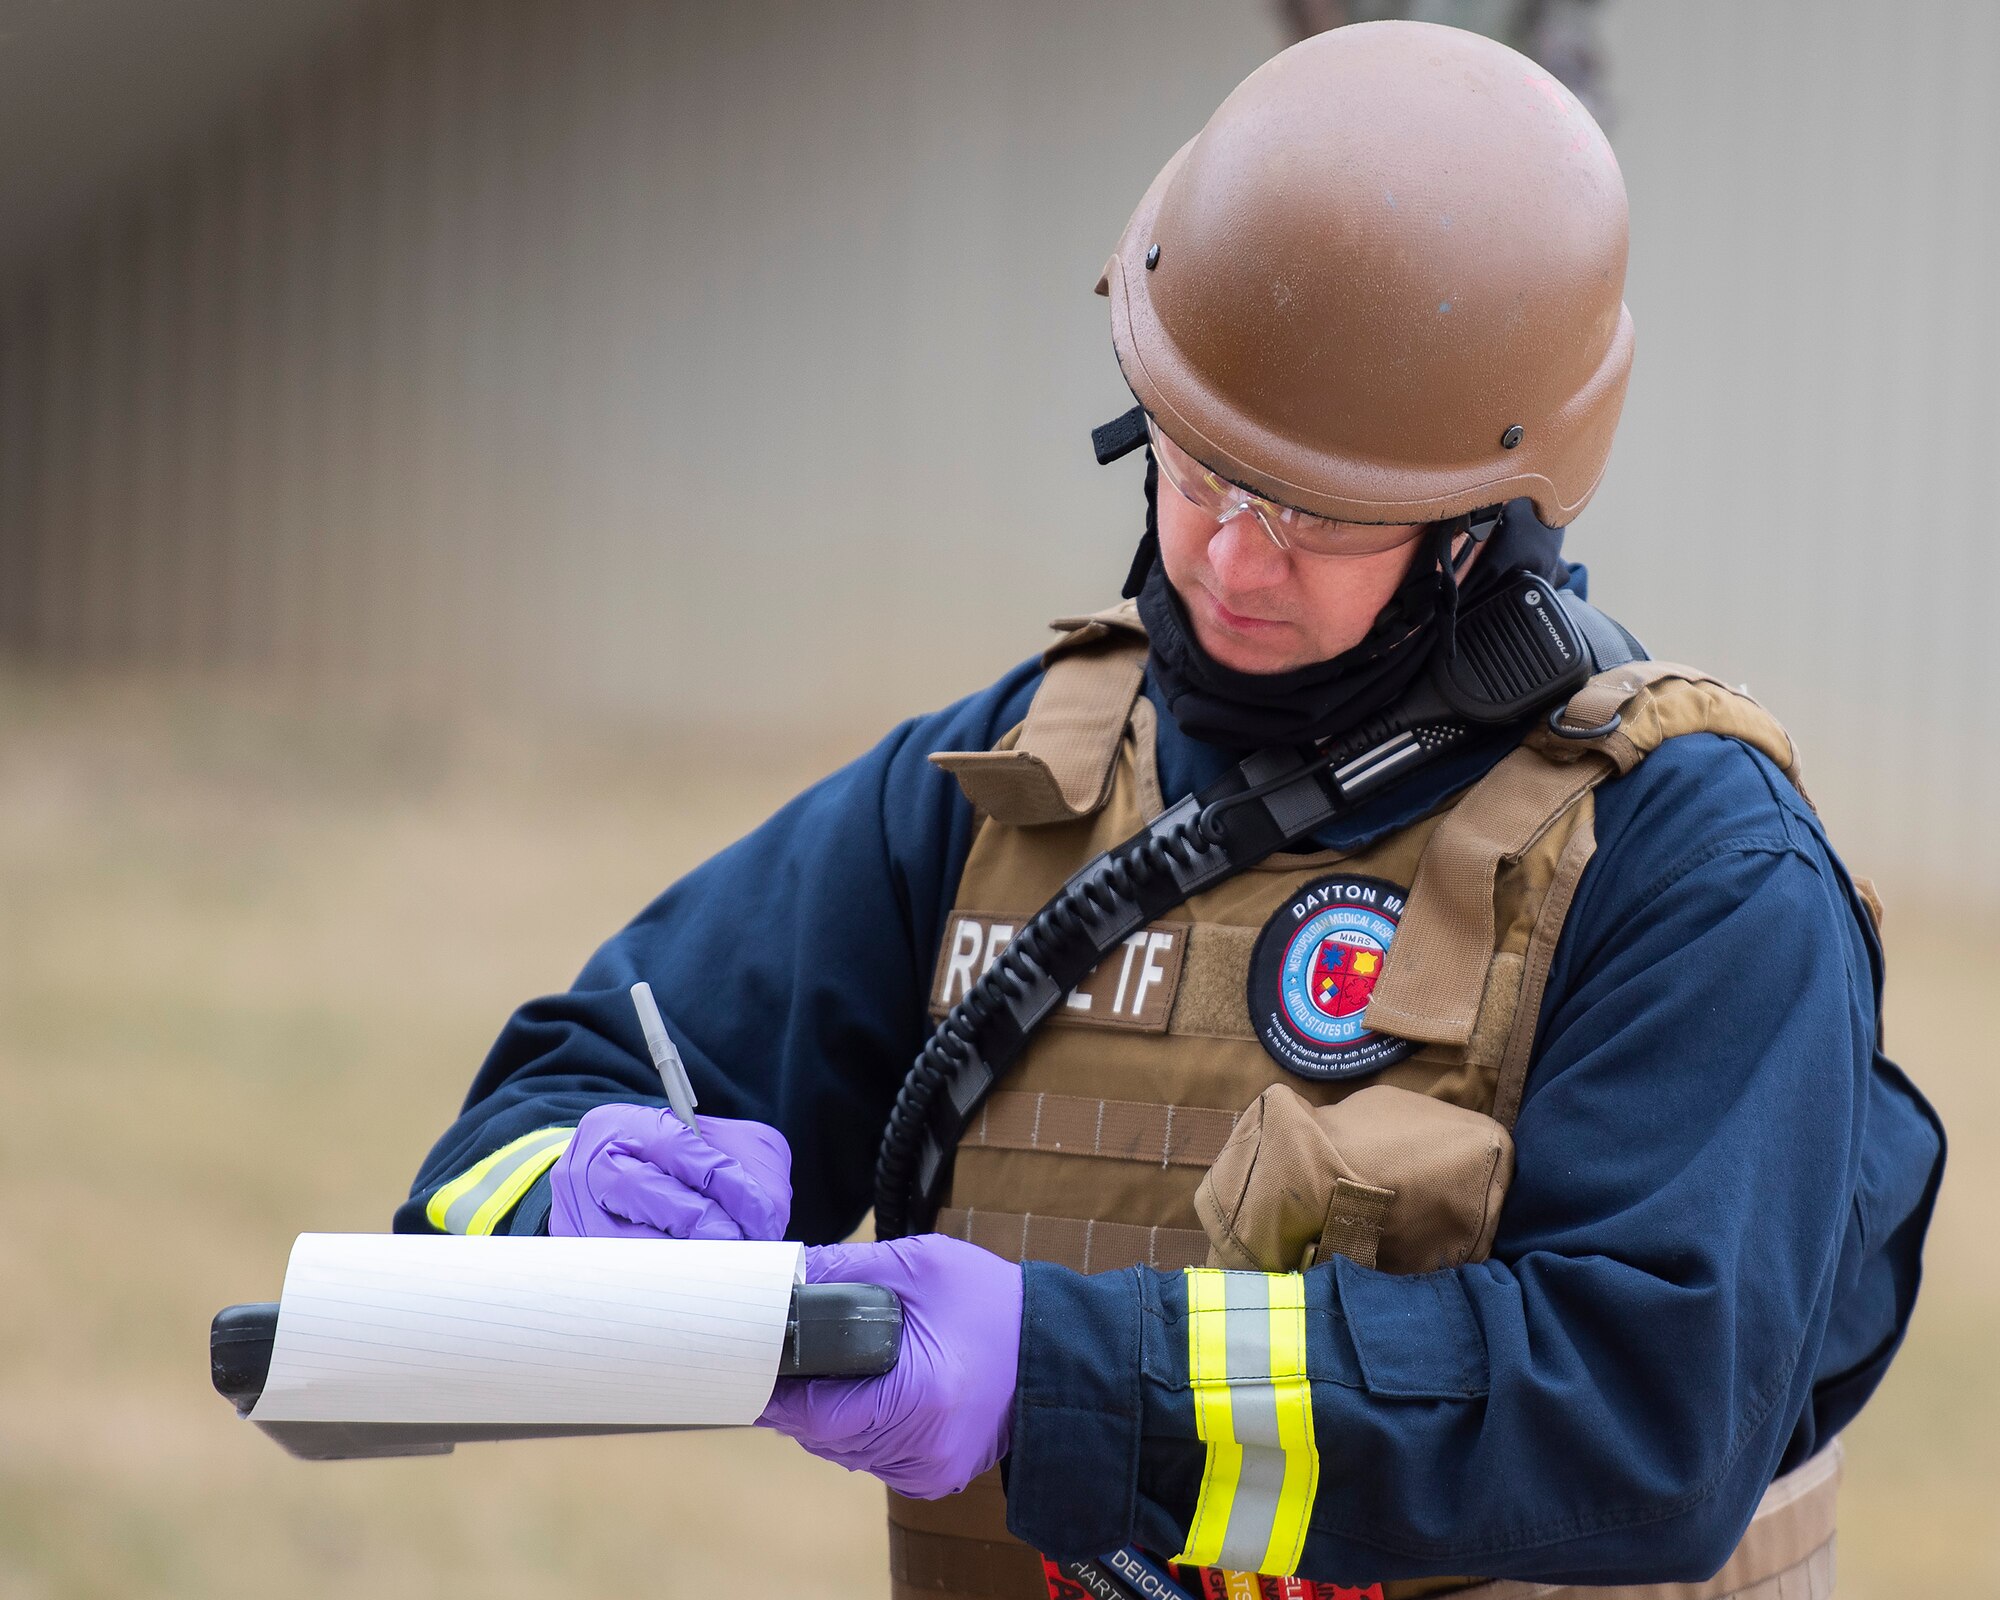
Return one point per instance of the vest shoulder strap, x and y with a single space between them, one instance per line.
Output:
1432 990
1628 712
1060 764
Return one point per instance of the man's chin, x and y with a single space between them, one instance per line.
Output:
1255 652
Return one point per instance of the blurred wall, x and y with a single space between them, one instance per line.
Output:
726 362
98 96
1798 496
733 364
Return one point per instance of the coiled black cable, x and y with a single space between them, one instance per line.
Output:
1055 950
1055 938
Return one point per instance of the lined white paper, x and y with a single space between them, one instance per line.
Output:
442 1328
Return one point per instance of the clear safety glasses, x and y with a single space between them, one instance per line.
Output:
1289 529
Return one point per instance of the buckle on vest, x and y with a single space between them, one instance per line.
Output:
1563 730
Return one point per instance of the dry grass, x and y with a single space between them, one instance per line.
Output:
248 960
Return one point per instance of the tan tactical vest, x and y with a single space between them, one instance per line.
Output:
1101 1148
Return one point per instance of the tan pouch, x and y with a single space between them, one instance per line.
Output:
1389 1178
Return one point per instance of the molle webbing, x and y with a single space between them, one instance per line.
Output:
1082 1244
1123 1130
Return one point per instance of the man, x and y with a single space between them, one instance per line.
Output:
1516 965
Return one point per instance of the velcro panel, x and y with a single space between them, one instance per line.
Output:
1213 1003
1495 1019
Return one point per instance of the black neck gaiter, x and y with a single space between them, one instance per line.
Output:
1246 711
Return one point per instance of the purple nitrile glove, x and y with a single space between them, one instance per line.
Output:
636 1172
941 1417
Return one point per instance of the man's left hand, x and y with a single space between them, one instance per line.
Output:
940 1418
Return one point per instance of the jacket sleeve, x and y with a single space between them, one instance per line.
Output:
1605 1399
792 971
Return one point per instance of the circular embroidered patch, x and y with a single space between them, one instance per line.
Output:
1312 972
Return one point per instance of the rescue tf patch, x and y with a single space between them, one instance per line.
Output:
1312 973
1133 987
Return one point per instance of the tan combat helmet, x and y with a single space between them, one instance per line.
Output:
1383 284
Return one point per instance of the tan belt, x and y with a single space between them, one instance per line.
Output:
1785 1554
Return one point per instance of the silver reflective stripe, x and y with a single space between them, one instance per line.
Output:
1253 1410
506 1166
1253 1414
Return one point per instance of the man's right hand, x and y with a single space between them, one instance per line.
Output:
635 1172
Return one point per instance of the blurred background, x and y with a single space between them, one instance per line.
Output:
462 463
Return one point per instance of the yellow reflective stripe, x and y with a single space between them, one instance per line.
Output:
476 1200
1295 1425
519 1182
1208 1376
1253 1412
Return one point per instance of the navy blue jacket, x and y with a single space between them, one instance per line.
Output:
1707 1259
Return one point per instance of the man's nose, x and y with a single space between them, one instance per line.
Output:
1243 556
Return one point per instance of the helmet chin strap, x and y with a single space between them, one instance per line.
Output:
1113 441
1475 529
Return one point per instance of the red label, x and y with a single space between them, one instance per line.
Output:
1218 1585
1215 1584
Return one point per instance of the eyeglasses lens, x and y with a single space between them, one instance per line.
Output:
1288 527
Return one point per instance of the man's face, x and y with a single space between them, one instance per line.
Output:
1257 608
